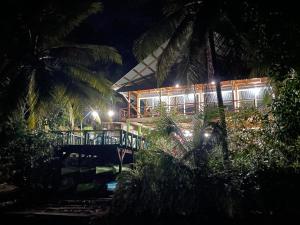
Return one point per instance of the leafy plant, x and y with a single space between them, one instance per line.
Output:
286 108
23 151
39 58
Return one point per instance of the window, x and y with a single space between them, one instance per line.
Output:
146 106
251 97
211 98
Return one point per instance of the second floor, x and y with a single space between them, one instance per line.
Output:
190 99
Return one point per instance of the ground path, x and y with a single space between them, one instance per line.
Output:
67 211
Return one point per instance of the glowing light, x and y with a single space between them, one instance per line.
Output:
207 135
177 85
213 82
95 115
110 113
187 133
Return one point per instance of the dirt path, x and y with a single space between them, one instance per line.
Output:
68 211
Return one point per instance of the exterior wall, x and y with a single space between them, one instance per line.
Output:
188 100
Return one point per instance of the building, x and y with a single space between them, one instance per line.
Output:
138 87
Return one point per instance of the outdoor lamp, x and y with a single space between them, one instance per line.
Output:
207 135
187 133
94 114
110 113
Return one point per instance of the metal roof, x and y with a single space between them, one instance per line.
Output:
141 75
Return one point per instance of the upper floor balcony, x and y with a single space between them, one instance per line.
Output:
188 100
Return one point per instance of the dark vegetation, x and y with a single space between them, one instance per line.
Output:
246 172
260 186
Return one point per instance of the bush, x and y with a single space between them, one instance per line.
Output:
25 156
158 186
263 178
286 108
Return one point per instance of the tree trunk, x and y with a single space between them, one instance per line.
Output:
217 80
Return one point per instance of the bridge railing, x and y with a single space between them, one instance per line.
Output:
121 138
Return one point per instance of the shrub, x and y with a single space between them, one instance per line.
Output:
159 186
286 108
22 152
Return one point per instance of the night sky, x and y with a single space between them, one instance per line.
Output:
119 25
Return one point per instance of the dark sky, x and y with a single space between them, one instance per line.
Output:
119 25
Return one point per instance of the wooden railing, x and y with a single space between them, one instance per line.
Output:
120 138
187 108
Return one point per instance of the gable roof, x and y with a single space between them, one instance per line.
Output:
142 75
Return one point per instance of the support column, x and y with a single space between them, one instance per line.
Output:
128 106
138 104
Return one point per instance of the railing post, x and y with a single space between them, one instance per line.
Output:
85 137
126 136
121 138
103 138
130 140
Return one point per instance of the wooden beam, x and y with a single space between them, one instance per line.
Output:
148 66
129 103
139 73
130 81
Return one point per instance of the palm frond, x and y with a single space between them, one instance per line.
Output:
172 51
173 6
63 22
87 95
85 54
104 53
93 79
156 36
14 92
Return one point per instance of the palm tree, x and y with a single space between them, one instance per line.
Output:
203 41
37 58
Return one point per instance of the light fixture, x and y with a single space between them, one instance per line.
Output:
207 135
213 82
177 85
187 133
95 114
110 113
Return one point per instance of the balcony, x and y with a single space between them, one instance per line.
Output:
187 108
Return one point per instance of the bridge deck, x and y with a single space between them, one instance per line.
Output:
99 147
121 138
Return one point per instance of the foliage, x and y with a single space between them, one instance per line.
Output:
262 179
23 152
286 108
160 181
37 58
273 37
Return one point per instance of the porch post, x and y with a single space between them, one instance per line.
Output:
138 106
128 107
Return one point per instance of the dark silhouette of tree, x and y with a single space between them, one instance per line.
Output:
36 57
223 39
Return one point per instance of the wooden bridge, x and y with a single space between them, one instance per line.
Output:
92 148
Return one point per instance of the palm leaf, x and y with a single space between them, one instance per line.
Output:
62 23
85 54
93 79
156 36
172 51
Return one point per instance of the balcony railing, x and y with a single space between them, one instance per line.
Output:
120 138
187 108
